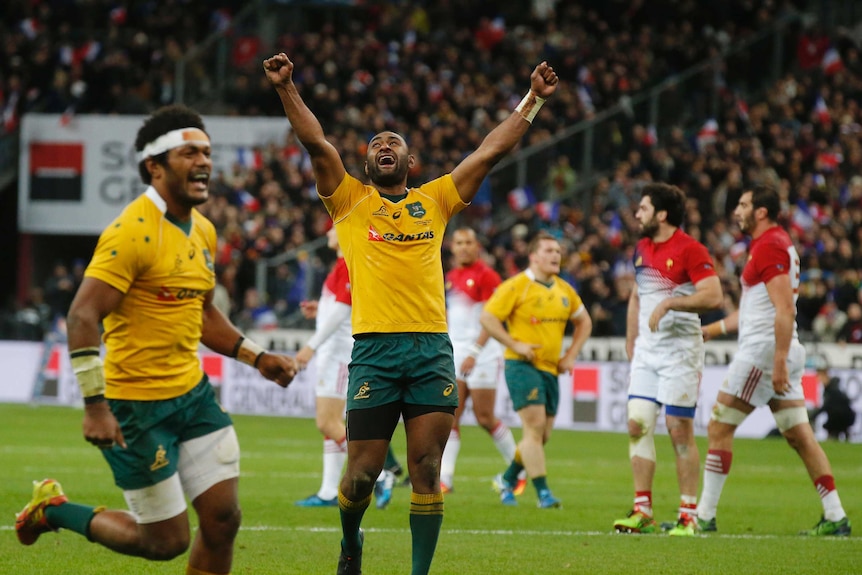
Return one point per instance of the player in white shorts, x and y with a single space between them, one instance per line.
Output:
478 358
768 368
332 343
675 280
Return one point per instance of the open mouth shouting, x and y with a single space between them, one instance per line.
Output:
200 181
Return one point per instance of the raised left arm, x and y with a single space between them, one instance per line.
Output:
468 175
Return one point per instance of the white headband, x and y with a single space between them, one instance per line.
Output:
174 139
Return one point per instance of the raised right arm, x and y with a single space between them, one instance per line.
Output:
325 160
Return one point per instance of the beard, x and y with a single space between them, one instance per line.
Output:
746 223
387 179
177 188
649 229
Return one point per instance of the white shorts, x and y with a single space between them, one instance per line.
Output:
749 376
204 462
671 377
331 376
488 370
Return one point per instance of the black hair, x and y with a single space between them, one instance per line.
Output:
162 121
764 196
669 198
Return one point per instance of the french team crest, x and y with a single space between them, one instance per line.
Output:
415 210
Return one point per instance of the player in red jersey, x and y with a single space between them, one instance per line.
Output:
767 369
478 358
675 281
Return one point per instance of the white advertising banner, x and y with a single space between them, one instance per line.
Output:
593 397
76 177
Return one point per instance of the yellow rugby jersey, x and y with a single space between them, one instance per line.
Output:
536 313
152 337
392 250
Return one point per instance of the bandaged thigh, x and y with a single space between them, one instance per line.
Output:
208 460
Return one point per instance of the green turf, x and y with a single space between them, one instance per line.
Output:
767 500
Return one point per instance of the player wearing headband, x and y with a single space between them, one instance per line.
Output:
149 407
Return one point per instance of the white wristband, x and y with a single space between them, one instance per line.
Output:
530 106
249 352
474 350
723 327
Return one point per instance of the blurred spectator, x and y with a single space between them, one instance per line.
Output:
802 135
829 322
256 314
59 290
34 319
836 405
851 331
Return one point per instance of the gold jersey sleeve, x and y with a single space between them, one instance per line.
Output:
536 313
393 253
152 337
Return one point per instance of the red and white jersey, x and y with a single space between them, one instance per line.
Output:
770 255
669 269
467 290
336 289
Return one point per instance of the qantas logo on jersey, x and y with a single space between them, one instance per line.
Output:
375 236
164 294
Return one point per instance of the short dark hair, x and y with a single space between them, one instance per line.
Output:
540 236
162 121
765 196
669 198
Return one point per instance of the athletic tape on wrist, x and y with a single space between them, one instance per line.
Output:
88 369
530 106
474 350
249 352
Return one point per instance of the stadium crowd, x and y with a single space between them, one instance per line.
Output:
394 68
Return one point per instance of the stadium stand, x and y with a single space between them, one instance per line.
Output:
442 81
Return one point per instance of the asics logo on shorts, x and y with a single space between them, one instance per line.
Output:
160 460
364 391
447 391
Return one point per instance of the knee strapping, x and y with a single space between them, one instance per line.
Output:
644 414
790 417
726 414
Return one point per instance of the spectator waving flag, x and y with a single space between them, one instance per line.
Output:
707 135
615 230
250 158
650 137
549 211
586 99
831 63
822 111
521 198
742 109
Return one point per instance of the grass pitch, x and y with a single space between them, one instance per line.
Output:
767 500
